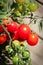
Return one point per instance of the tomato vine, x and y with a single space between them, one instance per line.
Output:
18 10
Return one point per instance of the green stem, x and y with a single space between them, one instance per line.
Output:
7 34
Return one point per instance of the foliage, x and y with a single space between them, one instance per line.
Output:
15 11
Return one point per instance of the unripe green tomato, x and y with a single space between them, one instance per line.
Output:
20 1
15 43
17 60
22 49
26 54
33 6
28 61
27 1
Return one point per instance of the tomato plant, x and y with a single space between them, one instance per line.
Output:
32 39
15 43
17 60
18 36
20 2
33 6
6 22
15 35
12 27
26 54
3 38
1 29
24 31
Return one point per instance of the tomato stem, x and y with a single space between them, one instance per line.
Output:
7 34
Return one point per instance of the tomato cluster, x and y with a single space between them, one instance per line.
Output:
21 33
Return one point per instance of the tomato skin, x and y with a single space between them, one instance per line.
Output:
3 38
33 6
24 31
16 44
12 27
20 1
1 29
32 39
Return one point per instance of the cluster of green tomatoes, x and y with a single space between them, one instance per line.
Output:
24 7
18 53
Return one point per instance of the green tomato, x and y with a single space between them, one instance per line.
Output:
26 54
17 60
8 49
22 48
20 8
15 43
33 6
20 1
28 61
27 1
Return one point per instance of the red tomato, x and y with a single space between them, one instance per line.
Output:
15 35
32 39
6 28
1 29
3 38
24 31
12 27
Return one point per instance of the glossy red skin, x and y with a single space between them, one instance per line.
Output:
3 38
12 27
1 29
24 31
32 39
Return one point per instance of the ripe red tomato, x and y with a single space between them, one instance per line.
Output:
12 27
24 31
3 38
32 39
1 29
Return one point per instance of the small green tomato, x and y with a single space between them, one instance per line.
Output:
15 43
33 6
26 54
17 60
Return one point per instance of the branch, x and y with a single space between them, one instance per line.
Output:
39 2
7 34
